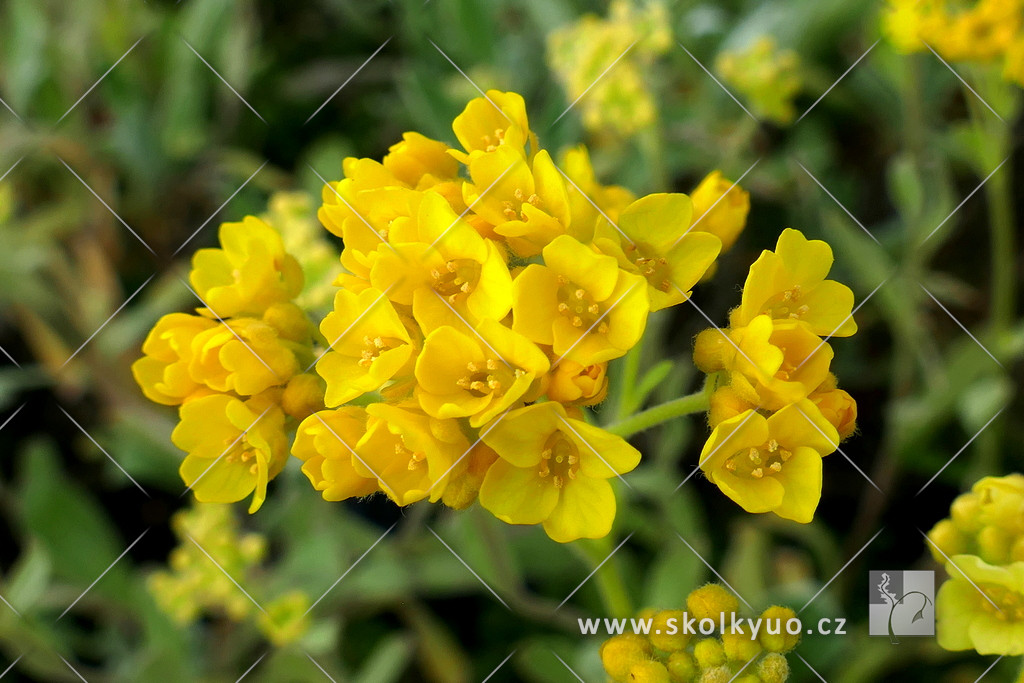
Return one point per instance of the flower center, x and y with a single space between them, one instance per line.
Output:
374 346
787 306
756 463
1009 604
416 458
578 307
240 452
458 277
560 459
491 142
513 210
491 376
654 268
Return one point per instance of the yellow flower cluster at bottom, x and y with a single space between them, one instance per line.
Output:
776 410
981 606
670 654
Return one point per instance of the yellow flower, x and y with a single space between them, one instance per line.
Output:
497 120
726 403
790 284
553 470
767 76
839 409
527 203
234 447
303 395
479 375
462 489
986 521
420 163
580 303
250 272
588 199
442 267
1013 70
369 345
162 372
286 618
720 208
573 383
325 443
771 464
242 355
981 607
656 242
412 455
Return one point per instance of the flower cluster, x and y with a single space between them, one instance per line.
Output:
775 410
484 291
631 37
767 76
194 585
668 653
988 31
981 606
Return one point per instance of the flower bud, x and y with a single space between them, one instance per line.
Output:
619 654
783 641
711 601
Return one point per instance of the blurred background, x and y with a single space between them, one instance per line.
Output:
129 130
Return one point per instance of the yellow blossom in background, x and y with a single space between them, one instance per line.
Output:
720 207
621 100
987 521
769 78
981 607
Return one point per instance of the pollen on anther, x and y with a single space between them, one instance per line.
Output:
775 467
577 321
757 473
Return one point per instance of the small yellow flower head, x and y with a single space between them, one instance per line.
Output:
711 602
767 76
250 272
419 162
709 349
909 23
783 641
716 674
463 489
947 538
619 654
497 120
234 447
588 199
580 303
771 464
653 239
839 408
584 385
554 470
789 285
740 646
648 671
302 396
666 641
985 521
709 652
285 619
981 607
726 403
1014 67
682 667
242 355
162 372
773 668
369 345
325 442
479 374
720 207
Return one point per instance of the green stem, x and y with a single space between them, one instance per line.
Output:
697 402
608 578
